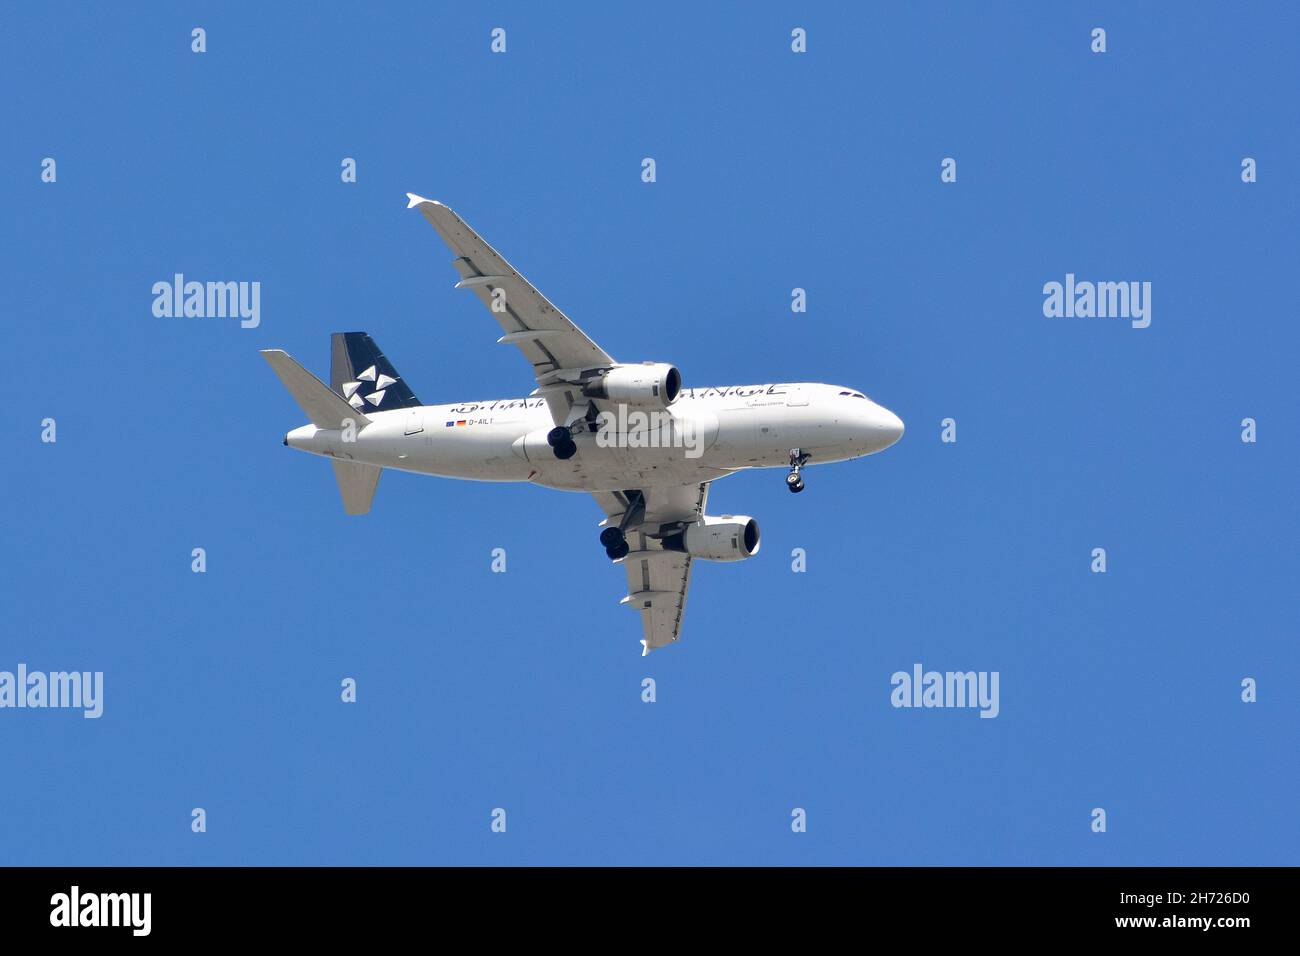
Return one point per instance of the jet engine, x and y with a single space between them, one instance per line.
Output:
649 384
728 538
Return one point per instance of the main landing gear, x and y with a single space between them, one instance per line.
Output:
561 441
794 481
615 538
615 543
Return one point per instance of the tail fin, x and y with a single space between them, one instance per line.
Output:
364 377
357 482
323 407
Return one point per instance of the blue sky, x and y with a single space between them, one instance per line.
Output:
775 170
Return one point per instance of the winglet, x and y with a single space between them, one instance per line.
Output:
412 200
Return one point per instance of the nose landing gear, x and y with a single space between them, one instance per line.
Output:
794 481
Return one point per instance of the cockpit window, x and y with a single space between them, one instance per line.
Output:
854 394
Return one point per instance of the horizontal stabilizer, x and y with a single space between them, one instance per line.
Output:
357 482
322 405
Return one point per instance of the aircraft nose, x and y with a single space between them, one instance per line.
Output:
892 426
883 427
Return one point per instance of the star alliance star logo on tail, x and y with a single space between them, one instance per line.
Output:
357 398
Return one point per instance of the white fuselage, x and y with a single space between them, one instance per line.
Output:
705 434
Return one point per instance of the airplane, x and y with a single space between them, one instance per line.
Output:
645 447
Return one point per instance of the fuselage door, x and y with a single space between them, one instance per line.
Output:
415 421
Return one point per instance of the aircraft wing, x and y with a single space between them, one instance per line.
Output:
657 580
549 341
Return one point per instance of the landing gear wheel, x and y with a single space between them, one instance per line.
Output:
798 458
614 538
557 436
566 449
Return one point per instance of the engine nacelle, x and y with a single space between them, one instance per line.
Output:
652 383
729 538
